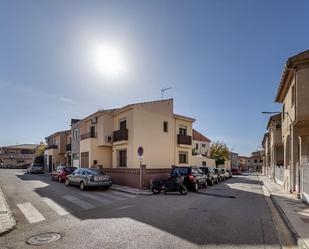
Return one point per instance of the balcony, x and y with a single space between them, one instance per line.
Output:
88 135
184 139
120 135
52 146
68 147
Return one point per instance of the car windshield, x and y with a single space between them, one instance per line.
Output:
94 172
205 169
180 171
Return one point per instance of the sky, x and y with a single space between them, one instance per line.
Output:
223 60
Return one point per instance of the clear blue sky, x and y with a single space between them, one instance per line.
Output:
223 59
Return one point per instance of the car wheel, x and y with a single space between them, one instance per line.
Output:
195 186
212 182
205 184
183 190
82 186
67 182
59 179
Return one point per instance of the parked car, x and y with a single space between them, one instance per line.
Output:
61 172
193 176
212 177
230 173
87 178
236 171
218 172
36 169
224 174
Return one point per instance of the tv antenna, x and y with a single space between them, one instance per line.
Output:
163 90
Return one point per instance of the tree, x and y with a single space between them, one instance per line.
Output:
39 155
219 152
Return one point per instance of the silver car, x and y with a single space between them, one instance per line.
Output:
86 178
36 169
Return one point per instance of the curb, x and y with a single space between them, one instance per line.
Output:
130 192
300 242
7 212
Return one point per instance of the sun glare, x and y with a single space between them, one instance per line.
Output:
109 61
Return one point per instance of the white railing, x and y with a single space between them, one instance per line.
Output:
279 175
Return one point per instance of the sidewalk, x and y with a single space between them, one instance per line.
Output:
135 191
294 211
7 221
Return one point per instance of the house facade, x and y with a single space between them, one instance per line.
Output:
18 156
109 139
293 94
56 152
201 144
274 153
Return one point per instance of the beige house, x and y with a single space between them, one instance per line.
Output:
293 94
274 153
57 151
165 137
18 156
110 139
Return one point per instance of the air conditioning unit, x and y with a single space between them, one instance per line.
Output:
94 120
108 139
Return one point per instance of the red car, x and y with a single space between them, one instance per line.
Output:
61 172
236 172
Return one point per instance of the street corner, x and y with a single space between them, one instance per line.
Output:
7 220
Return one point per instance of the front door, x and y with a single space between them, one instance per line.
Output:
50 163
84 160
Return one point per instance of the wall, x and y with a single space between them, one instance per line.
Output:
302 93
158 145
198 161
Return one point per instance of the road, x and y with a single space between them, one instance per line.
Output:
232 214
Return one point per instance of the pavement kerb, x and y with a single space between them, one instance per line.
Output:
9 215
300 243
130 192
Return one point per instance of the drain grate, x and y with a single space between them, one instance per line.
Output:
44 238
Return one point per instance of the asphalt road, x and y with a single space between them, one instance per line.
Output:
232 214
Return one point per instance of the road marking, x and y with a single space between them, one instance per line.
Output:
57 208
96 198
78 202
112 196
30 212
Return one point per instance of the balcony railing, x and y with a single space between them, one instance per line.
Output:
52 146
17 155
68 147
184 139
88 135
120 135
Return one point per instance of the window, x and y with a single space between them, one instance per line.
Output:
255 161
203 145
75 134
204 163
183 130
196 146
92 131
293 95
183 157
278 126
165 126
283 111
123 158
123 125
